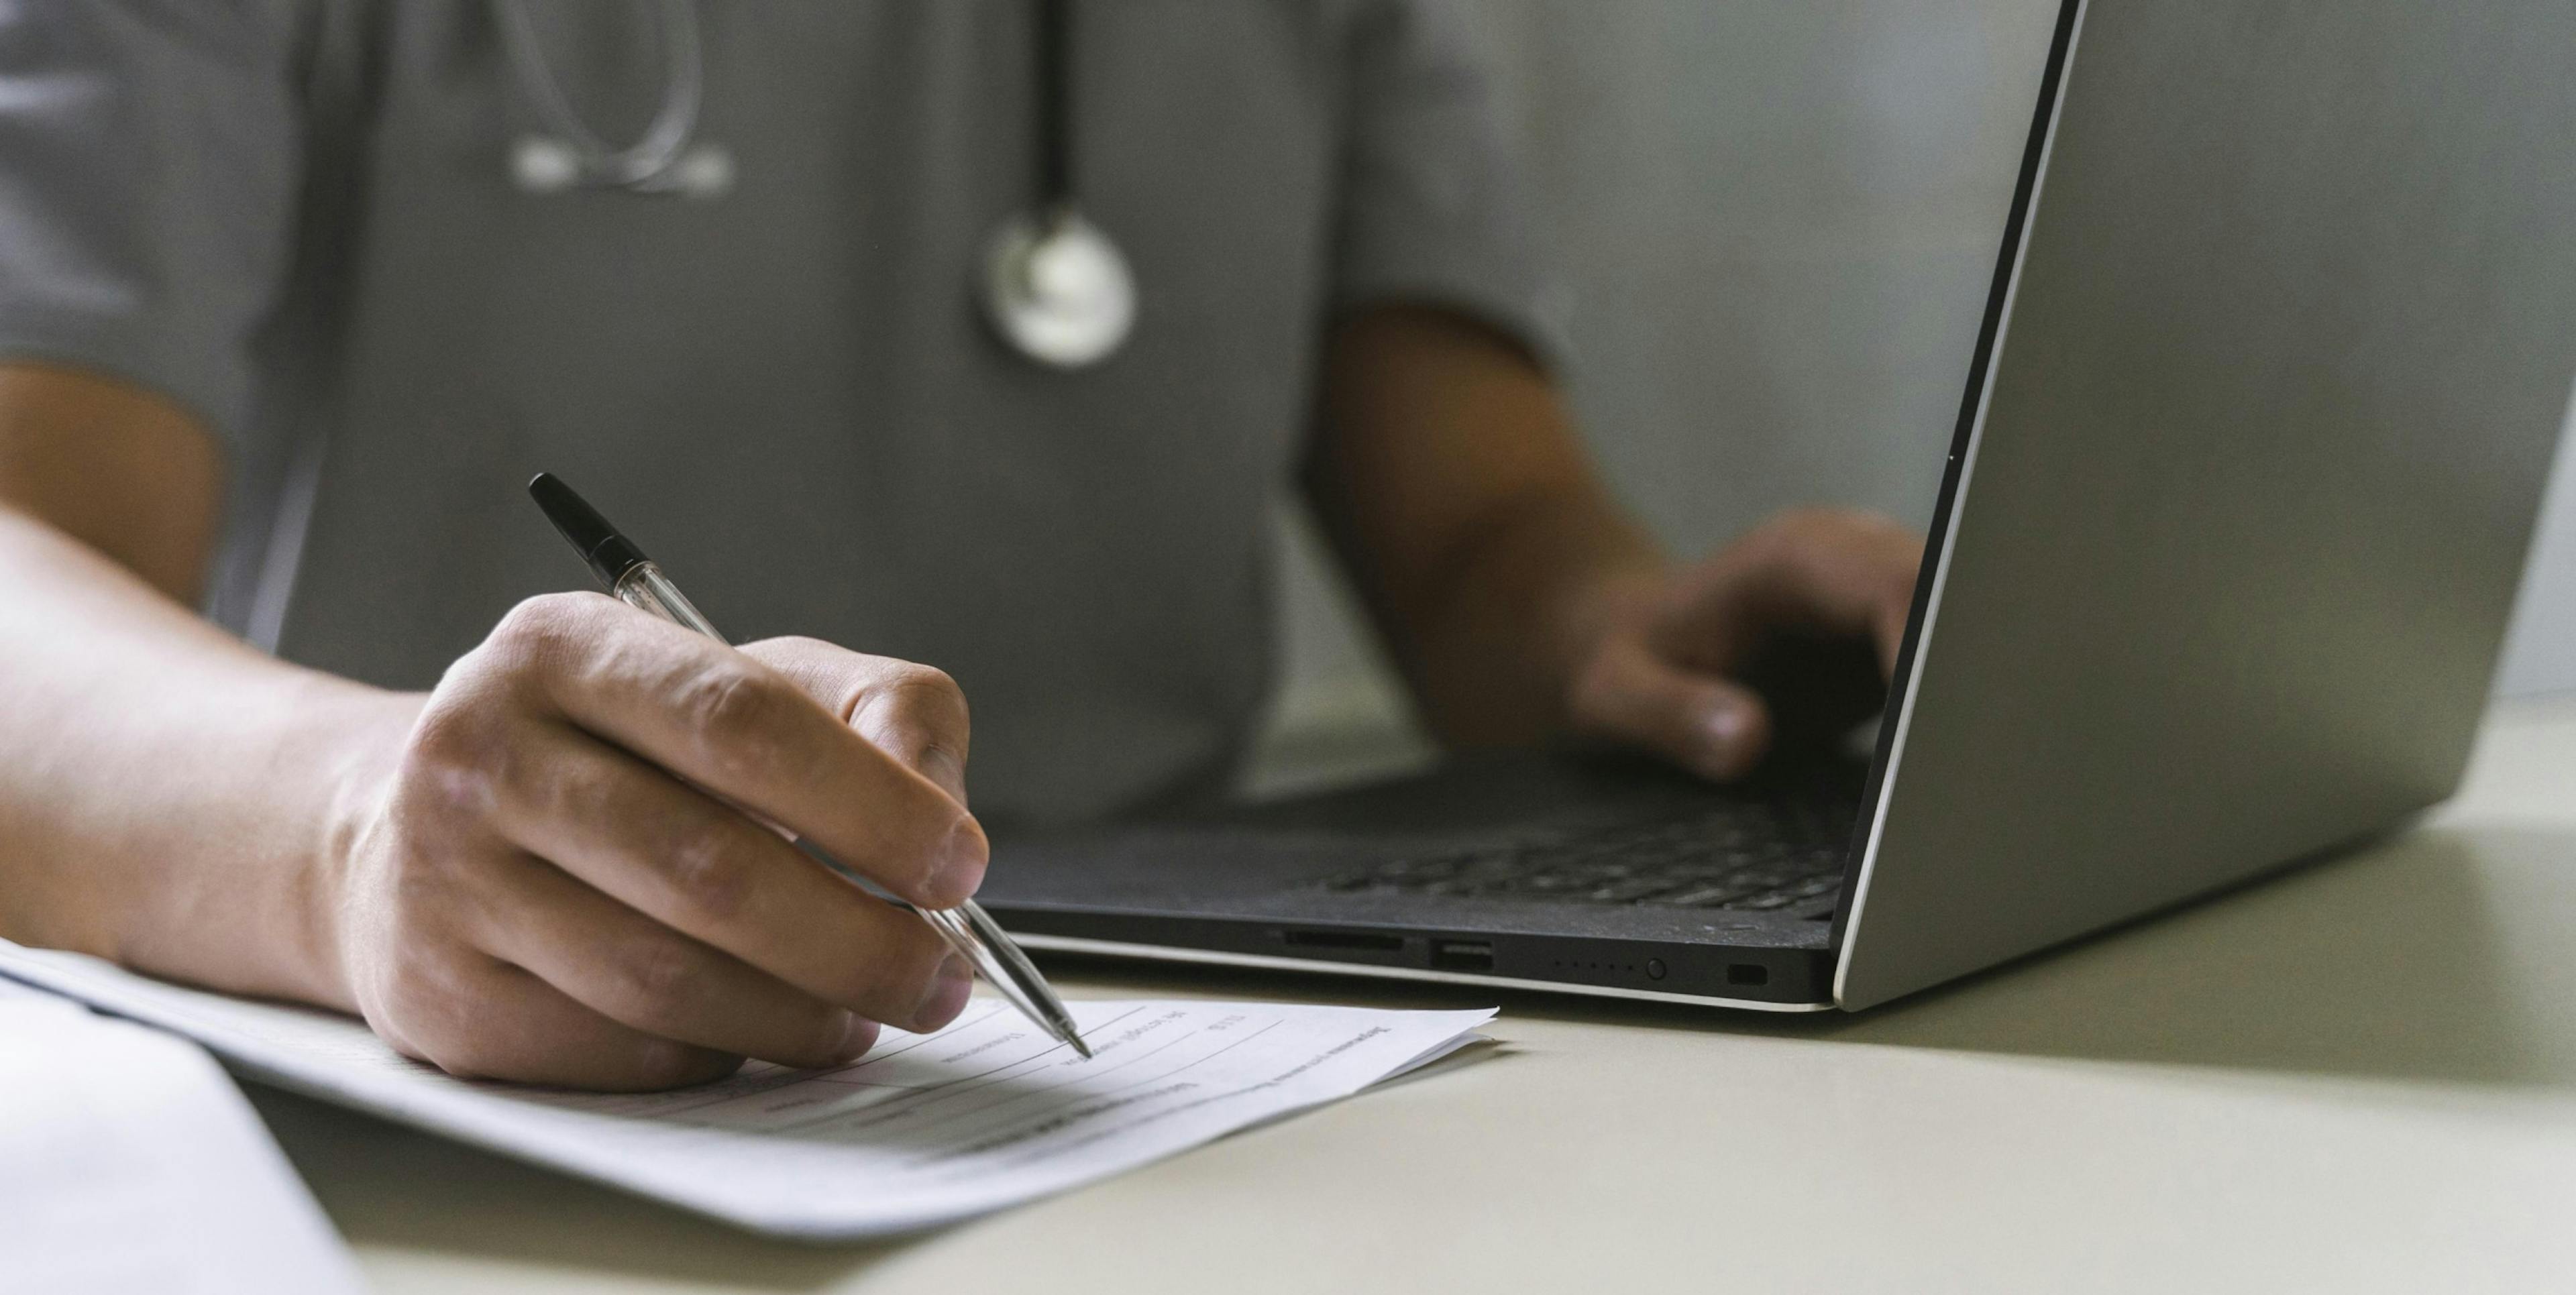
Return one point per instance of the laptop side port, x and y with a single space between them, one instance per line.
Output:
1462 955
1347 941
1383 948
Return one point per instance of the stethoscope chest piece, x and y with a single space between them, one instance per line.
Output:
1057 289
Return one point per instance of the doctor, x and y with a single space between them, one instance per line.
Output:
963 336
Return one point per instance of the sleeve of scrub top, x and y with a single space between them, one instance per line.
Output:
148 163
1433 209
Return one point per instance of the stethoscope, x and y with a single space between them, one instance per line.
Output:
1054 286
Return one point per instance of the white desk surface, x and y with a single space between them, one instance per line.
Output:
2361 1076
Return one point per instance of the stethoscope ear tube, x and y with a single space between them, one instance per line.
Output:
1054 285
569 155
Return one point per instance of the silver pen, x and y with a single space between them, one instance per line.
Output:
639 582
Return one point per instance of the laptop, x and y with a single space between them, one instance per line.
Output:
2254 434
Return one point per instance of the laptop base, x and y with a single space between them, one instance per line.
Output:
1310 966
1334 883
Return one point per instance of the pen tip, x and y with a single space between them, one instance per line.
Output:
1079 1046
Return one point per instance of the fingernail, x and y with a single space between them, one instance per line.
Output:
1727 728
959 868
858 1035
1725 724
949 989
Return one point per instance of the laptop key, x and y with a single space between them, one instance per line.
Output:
1548 883
1629 891
1705 896
1737 856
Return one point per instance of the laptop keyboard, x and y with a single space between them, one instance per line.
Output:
1754 856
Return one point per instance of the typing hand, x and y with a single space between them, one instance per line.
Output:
1785 636
561 878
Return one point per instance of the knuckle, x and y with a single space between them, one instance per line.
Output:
656 981
546 619
923 695
706 873
532 638
737 713
824 666
455 761
449 731
797 646
925 685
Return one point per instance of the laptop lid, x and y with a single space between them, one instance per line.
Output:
2278 348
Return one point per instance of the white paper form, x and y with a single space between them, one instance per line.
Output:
925 1130
129 1164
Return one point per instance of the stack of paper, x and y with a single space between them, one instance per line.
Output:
925 1130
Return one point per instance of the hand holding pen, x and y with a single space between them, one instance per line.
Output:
969 932
564 877
555 866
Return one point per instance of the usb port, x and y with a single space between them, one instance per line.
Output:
1462 955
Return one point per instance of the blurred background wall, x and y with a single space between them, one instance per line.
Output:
1777 220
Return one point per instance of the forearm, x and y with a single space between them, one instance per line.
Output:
555 867
167 794
1448 473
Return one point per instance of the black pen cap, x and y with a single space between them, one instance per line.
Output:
609 554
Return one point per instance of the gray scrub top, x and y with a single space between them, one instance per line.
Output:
297 220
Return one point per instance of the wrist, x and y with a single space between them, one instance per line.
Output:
358 736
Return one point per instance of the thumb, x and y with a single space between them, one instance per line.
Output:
1711 726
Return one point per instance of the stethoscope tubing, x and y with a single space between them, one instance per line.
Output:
675 122
1055 286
